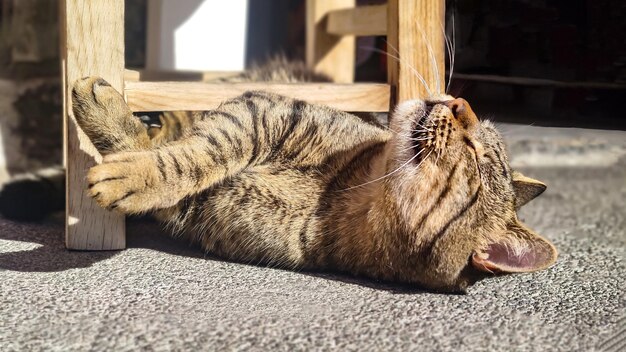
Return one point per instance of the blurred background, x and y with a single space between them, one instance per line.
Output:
541 63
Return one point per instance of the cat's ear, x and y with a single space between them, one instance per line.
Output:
521 250
526 188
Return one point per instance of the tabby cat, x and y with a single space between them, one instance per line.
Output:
430 201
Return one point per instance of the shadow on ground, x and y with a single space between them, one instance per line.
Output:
46 245
50 255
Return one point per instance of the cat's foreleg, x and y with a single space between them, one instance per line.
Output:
137 182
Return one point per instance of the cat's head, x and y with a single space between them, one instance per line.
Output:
458 196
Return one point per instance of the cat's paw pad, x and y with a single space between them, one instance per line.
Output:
125 182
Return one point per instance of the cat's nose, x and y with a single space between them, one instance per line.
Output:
462 112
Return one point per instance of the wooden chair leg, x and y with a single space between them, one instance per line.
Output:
414 29
92 43
326 53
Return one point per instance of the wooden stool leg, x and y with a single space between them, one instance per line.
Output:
92 43
326 53
414 29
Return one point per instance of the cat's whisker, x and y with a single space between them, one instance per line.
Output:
439 153
431 55
415 71
424 129
405 149
419 124
387 128
421 77
399 59
450 56
420 138
453 45
423 159
386 175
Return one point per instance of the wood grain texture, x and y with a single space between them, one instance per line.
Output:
415 29
168 96
327 53
359 21
92 43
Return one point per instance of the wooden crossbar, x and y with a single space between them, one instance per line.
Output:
362 20
198 96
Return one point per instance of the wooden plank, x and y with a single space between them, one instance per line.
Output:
92 43
169 96
359 21
539 82
326 53
415 31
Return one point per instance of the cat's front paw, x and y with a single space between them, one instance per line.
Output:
126 182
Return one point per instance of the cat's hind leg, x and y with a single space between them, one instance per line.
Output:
103 115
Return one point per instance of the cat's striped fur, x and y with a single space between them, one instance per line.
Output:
268 179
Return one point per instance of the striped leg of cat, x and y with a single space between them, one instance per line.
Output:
138 182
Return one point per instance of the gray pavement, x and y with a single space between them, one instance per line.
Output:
161 294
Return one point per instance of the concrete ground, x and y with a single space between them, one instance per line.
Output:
160 294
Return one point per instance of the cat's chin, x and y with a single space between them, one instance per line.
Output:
408 119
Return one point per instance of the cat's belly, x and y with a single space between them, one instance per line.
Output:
265 216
